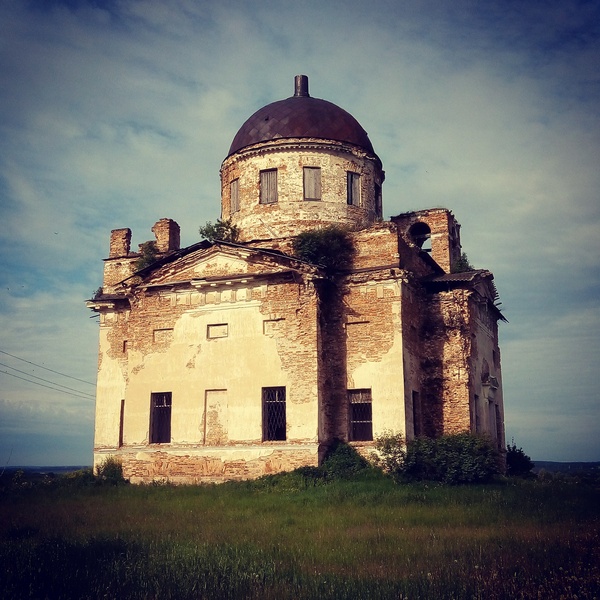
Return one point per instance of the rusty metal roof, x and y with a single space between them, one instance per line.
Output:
301 117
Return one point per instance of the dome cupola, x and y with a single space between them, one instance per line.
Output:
297 164
301 117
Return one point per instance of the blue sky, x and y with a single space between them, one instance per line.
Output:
119 113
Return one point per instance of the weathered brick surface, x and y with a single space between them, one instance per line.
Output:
445 234
291 213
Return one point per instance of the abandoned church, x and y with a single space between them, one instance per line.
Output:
237 357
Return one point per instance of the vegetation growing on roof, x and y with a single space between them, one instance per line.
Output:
462 264
148 255
222 230
330 247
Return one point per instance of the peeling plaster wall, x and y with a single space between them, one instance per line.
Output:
271 340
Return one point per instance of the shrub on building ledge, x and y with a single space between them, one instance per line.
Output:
148 254
462 265
224 231
329 247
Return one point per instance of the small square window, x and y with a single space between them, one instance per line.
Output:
268 186
360 415
219 330
312 183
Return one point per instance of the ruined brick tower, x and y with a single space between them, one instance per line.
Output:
229 360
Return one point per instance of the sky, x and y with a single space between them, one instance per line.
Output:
117 113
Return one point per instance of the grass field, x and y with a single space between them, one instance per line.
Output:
292 537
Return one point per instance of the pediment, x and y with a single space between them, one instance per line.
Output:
216 262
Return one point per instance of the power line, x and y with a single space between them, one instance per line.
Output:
47 369
46 380
46 386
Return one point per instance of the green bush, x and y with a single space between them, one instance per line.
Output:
148 255
222 230
451 459
110 471
391 454
342 461
330 247
518 464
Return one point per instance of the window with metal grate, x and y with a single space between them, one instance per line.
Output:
273 412
360 415
160 418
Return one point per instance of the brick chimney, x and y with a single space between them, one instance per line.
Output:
167 235
120 242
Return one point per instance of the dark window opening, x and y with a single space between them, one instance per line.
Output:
121 420
361 415
353 188
268 186
378 201
420 234
312 183
234 189
273 407
160 418
417 415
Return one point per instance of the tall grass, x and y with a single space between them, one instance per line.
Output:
297 537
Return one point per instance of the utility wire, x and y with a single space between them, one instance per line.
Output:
46 368
47 381
46 386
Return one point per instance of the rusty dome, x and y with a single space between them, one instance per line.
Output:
301 116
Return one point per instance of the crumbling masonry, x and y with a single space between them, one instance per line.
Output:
229 360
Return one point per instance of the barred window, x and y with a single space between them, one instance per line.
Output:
268 186
273 413
361 415
312 183
353 188
160 418
234 192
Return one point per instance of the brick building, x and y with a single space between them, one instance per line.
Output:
230 360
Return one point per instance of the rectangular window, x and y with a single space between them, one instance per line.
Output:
361 415
353 183
234 194
476 414
160 418
219 330
121 422
268 186
378 201
162 335
215 417
273 414
417 418
312 183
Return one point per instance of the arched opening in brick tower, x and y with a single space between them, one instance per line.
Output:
420 233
